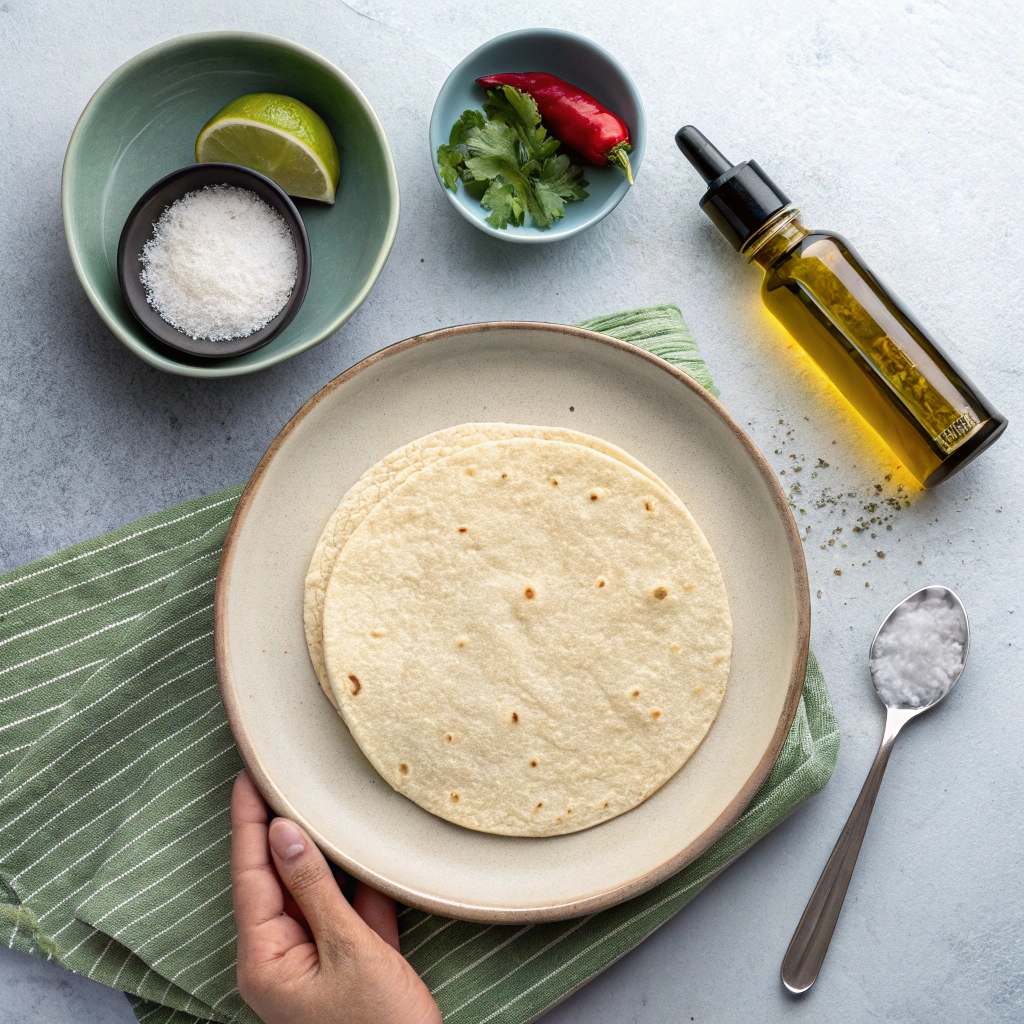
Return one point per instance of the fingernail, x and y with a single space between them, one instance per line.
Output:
286 840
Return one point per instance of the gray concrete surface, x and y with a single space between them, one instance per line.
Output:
898 124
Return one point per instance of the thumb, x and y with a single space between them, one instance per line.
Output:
307 876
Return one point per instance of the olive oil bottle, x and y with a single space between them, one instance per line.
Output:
852 326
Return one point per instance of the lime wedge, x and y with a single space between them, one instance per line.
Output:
278 136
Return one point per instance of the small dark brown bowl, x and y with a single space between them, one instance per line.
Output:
138 229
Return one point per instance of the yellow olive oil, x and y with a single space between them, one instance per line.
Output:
852 326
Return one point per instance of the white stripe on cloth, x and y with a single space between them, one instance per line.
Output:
156 853
54 679
137 838
522 964
121 568
36 714
435 932
184 917
103 697
92 969
115 543
88 853
203 931
107 750
74 643
110 600
114 625
203 984
14 750
206 956
476 963
582 953
177 896
422 921
159 881
455 949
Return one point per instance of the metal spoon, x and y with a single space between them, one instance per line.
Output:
814 932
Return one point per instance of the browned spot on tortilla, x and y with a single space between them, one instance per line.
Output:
539 806
660 593
404 769
569 811
554 481
689 586
606 803
504 476
462 641
648 506
455 798
530 593
356 685
533 764
635 693
698 689
655 713
515 717
600 583
593 495
463 529
471 471
448 737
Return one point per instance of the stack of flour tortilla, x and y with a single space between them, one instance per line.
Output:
523 628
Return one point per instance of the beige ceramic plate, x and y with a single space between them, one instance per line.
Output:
299 751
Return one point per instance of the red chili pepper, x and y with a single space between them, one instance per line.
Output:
573 116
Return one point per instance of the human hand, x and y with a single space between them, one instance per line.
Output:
305 955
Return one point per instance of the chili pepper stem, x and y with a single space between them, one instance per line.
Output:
618 156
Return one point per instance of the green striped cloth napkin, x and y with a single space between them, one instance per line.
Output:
116 766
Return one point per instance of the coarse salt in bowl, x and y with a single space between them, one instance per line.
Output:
198 299
221 264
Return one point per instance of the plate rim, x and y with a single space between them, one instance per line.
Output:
431 903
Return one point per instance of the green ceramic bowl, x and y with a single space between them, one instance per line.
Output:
142 124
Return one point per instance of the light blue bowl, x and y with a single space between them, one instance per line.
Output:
577 60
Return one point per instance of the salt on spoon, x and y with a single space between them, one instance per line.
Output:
916 657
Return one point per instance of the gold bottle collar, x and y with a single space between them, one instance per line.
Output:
758 239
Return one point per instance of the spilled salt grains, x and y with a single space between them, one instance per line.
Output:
221 264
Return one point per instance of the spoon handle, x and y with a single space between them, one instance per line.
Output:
810 941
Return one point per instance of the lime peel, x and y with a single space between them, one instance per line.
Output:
278 136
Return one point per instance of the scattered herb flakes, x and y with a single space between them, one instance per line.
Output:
871 508
509 162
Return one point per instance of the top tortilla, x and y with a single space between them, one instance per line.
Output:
527 637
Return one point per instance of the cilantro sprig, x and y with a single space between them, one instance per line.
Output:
509 162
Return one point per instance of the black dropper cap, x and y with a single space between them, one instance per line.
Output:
740 197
